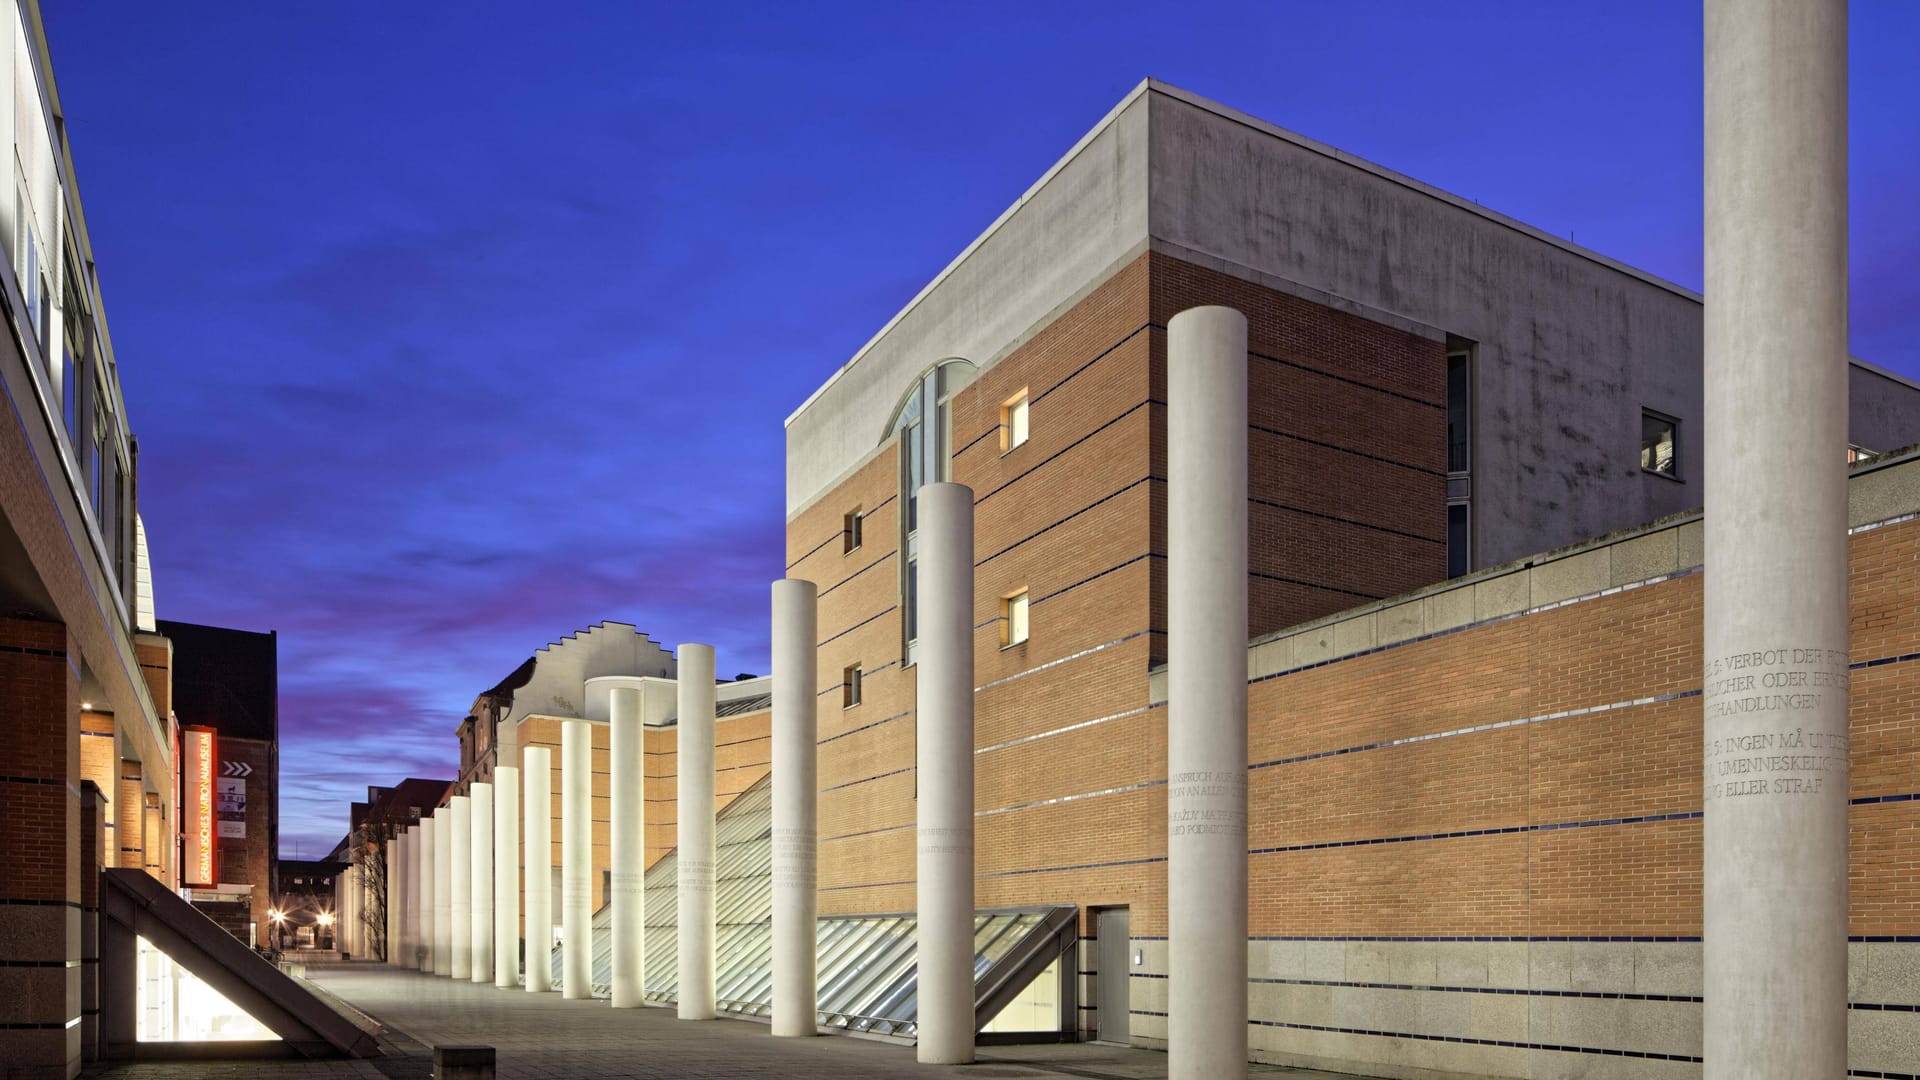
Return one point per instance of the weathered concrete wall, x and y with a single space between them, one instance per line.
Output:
1569 346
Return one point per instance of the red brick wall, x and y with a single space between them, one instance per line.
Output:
39 763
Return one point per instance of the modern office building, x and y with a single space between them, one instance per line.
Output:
89 744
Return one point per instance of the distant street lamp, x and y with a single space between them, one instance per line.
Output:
279 919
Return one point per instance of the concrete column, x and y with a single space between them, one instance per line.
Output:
423 915
628 834
506 875
1207 694
423 904
400 900
539 821
694 825
576 858
796 855
943 758
396 893
443 892
482 868
1775 674
462 872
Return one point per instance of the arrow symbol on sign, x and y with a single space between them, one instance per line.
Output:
235 768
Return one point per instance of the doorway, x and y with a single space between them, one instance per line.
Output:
1115 973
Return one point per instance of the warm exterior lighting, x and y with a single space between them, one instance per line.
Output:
197 805
277 916
326 918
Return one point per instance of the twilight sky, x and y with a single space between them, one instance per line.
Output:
449 328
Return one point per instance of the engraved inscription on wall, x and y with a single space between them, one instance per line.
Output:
1197 803
1768 714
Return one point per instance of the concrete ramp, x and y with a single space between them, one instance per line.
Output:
135 905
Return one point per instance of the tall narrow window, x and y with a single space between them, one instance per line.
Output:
1013 619
850 687
850 532
1013 422
916 474
1459 424
1458 539
1659 444
1459 462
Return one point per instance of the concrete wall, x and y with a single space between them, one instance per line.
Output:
1569 346
1069 232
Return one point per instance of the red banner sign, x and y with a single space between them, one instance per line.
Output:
197 830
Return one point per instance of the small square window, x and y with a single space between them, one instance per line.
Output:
1659 444
1013 422
1013 616
850 531
850 687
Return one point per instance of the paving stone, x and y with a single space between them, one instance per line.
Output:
541 1036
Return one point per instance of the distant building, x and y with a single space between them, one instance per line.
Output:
363 915
573 679
304 914
227 682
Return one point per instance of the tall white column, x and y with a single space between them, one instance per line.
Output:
1207 694
394 890
408 956
628 837
481 866
443 891
346 884
694 825
506 875
796 834
943 758
462 871
423 907
1775 674
576 858
539 821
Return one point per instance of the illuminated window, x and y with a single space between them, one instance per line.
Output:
850 531
850 687
1013 422
1659 444
1013 619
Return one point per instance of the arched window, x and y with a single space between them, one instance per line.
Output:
924 427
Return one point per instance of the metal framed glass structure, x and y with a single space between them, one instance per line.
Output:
867 963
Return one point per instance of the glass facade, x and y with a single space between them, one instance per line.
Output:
867 963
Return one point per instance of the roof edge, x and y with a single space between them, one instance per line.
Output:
1140 90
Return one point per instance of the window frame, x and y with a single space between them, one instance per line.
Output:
1673 425
1020 406
850 680
1024 599
851 533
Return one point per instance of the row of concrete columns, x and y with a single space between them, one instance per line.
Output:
455 877
1776 596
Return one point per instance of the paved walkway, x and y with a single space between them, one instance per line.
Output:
546 1036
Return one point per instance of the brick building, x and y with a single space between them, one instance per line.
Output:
227 682
87 773
1474 825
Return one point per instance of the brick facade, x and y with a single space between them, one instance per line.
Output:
1500 813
